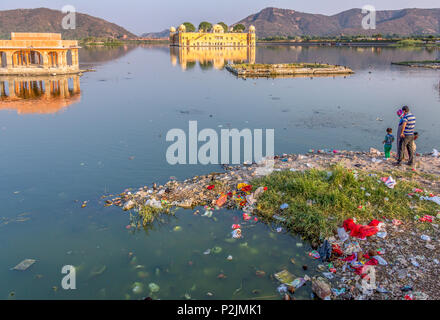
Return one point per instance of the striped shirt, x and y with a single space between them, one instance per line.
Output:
410 120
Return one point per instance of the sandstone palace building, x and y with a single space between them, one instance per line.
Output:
38 53
217 38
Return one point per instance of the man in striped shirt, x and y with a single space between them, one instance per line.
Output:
407 136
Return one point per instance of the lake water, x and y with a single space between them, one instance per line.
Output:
110 136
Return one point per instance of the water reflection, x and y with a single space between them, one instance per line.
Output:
102 54
210 57
43 94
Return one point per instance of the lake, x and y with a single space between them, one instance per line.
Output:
105 132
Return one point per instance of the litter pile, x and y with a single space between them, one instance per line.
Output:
381 260
385 259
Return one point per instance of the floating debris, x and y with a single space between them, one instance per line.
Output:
138 288
24 265
153 287
284 277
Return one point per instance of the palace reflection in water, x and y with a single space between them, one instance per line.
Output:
39 94
210 57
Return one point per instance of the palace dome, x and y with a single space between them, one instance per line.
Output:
182 28
251 28
218 28
172 29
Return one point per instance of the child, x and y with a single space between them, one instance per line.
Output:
388 143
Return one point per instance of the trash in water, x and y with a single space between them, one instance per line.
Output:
97 271
314 254
138 288
222 200
207 252
208 213
282 289
153 287
284 277
25 264
279 229
298 282
236 234
216 250
177 228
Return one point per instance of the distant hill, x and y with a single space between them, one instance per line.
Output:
285 22
47 20
165 34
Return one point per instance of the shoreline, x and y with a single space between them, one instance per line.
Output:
409 247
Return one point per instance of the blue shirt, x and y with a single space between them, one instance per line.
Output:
389 138
410 120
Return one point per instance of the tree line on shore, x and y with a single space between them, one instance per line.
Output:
206 26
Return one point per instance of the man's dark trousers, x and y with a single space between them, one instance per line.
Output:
407 143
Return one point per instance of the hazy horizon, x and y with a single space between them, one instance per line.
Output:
139 17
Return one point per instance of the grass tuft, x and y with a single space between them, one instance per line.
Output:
319 201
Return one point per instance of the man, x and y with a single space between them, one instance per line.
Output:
407 137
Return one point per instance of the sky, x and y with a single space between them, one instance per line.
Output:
139 16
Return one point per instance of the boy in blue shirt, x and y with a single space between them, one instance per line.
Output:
388 143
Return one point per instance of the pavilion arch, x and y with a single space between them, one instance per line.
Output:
69 58
27 58
3 62
53 58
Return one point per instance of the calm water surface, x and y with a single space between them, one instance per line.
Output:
112 137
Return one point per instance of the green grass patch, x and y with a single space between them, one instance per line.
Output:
408 63
147 215
408 43
319 201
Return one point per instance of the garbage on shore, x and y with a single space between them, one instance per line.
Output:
355 247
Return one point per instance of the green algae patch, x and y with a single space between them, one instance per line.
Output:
318 201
